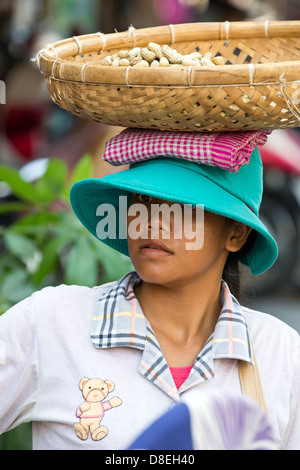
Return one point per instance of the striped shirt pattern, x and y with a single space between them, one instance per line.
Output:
226 150
119 322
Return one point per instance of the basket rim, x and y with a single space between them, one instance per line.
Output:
55 60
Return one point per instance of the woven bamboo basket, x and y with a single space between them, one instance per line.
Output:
257 88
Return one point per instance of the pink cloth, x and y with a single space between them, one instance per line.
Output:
103 407
180 374
226 150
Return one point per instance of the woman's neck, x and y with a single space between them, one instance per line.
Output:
182 317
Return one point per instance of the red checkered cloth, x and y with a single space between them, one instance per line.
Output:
226 150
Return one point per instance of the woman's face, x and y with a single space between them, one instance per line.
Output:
164 253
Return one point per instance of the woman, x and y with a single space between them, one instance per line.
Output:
92 368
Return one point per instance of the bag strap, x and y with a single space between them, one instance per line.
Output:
250 382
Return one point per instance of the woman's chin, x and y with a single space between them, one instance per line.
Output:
153 275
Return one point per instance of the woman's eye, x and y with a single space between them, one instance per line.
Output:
144 198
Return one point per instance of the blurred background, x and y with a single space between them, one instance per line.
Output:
43 150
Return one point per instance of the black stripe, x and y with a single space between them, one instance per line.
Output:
201 372
109 308
150 340
126 343
117 335
157 374
233 312
100 345
205 351
153 366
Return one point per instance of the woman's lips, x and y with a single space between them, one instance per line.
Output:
154 249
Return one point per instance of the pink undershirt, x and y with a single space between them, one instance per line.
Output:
180 374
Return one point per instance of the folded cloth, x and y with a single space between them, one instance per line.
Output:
226 150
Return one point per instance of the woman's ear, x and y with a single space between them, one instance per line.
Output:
237 236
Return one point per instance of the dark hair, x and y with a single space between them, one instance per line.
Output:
231 272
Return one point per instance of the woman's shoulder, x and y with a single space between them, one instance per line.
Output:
70 299
269 331
76 294
55 301
267 320
69 292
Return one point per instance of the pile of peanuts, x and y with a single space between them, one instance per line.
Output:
155 55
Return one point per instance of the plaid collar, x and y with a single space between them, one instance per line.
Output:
119 321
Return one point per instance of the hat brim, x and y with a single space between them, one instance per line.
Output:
169 182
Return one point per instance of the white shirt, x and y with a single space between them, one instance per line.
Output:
48 344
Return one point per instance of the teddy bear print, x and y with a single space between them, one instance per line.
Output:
91 411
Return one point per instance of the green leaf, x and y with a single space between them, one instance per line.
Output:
69 223
34 220
114 263
49 187
4 306
83 169
7 207
16 286
19 245
81 267
50 260
18 438
18 186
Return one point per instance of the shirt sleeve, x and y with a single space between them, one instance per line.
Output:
107 406
18 365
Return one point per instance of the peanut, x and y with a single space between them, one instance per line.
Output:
187 61
147 55
155 63
207 59
142 63
124 63
123 54
107 60
135 52
135 61
115 62
172 55
218 60
164 62
155 55
193 55
156 48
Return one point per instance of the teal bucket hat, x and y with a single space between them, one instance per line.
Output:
234 195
